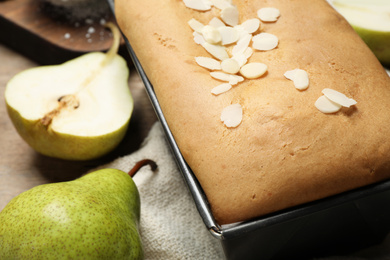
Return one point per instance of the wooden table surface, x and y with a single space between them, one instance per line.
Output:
21 168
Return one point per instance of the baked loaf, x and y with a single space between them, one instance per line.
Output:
285 151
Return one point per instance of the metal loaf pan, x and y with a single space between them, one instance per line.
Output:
335 225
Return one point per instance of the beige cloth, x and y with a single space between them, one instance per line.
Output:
170 226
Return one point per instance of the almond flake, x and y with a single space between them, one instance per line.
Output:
196 25
299 77
265 42
268 14
217 51
224 87
229 35
199 5
236 78
241 31
230 15
248 52
221 4
338 97
216 22
242 45
211 34
232 79
208 63
221 76
327 106
251 25
253 70
198 38
231 115
230 66
241 59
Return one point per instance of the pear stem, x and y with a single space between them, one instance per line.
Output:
115 42
141 164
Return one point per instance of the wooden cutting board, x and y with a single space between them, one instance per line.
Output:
26 28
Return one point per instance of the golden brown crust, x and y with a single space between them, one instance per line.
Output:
285 152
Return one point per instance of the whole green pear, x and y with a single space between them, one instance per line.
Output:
93 217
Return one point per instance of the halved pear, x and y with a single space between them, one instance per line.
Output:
371 20
78 110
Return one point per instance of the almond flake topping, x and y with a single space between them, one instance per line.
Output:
268 14
338 97
265 41
196 25
198 38
241 59
230 66
230 15
242 45
248 52
232 79
229 35
224 87
216 22
208 63
217 51
211 34
214 36
327 106
221 4
251 25
332 101
253 70
231 116
199 5
299 77
231 60
241 31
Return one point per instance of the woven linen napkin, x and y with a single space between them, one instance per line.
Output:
170 226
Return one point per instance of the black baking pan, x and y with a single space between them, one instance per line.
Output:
335 225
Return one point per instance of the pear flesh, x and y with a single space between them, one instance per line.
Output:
78 110
371 20
93 217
